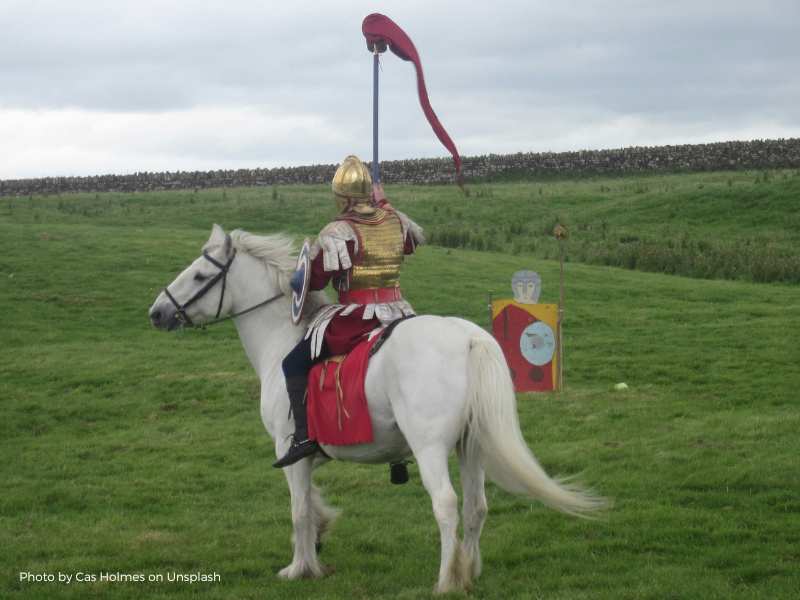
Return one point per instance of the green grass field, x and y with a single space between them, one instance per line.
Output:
129 450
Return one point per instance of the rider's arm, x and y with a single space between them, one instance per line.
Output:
413 235
332 253
319 276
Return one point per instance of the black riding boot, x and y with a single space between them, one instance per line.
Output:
301 445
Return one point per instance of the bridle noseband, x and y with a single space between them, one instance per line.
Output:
223 275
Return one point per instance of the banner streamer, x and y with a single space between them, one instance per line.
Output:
380 31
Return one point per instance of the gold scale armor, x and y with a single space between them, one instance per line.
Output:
379 238
381 254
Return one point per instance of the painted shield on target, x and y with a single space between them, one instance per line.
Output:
304 267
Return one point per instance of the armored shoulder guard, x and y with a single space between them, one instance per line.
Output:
332 241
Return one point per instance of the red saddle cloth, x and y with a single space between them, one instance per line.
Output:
337 401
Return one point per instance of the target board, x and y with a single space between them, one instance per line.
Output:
528 335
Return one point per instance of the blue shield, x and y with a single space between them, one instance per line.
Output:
304 267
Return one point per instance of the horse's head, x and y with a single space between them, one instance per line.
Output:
202 291
236 274
198 293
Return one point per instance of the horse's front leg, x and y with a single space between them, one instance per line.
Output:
305 562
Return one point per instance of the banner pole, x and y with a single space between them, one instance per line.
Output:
376 176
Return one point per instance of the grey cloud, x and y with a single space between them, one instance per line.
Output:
537 73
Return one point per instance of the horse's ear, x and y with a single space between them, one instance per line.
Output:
217 237
228 245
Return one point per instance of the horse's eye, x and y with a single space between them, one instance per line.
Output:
199 277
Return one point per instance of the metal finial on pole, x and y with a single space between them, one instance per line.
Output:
376 176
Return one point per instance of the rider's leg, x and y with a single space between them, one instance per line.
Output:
296 366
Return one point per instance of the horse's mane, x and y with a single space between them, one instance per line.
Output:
278 251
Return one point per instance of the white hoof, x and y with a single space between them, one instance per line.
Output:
449 587
458 577
301 571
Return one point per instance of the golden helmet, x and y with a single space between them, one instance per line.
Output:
352 179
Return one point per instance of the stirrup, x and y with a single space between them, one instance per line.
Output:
398 472
297 451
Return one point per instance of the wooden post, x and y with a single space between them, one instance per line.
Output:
560 233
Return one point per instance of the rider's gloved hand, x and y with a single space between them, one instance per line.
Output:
296 282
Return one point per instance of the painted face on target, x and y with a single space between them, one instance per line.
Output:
527 286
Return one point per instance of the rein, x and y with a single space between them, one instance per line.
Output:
223 275
245 311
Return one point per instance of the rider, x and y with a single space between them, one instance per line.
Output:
361 251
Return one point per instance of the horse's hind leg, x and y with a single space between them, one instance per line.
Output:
453 572
474 508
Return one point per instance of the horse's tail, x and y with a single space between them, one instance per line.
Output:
492 435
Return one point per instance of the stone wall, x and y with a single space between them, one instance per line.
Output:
757 154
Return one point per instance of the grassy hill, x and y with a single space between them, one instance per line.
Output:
130 450
731 225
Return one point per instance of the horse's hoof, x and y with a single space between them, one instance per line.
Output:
451 588
301 571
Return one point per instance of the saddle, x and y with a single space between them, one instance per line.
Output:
336 399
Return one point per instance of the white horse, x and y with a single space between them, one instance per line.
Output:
437 384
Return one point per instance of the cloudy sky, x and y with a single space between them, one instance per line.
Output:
90 87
